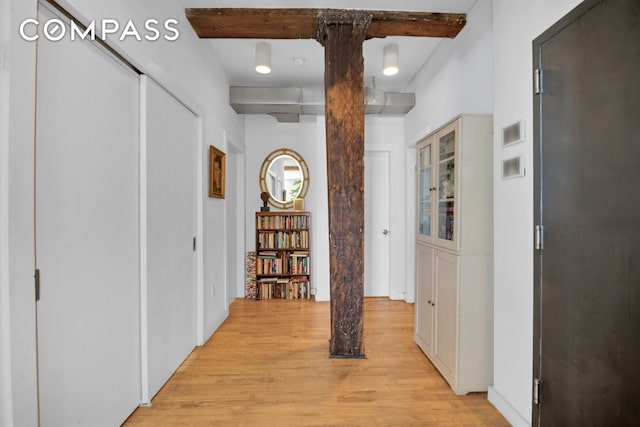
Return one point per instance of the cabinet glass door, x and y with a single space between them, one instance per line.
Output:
446 185
425 190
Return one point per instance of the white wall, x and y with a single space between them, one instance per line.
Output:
387 134
456 79
320 270
234 196
188 70
264 135
516 24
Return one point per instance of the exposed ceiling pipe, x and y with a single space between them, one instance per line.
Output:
287 104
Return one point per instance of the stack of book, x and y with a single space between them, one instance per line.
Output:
251 285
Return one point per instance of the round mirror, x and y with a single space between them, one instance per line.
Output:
285 176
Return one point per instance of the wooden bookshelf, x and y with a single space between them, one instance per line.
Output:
282 255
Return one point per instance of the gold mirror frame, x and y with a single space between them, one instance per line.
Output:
265 169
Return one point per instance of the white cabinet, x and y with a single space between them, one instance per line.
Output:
453 323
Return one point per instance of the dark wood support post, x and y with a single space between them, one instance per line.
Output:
342 37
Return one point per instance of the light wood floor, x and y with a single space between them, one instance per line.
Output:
269 365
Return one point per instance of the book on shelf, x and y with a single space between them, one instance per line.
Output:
284 288
302 287
283 239
267 254
299 263
286 221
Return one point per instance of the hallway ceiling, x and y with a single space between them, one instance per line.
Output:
237 55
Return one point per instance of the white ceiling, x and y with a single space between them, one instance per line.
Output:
238 55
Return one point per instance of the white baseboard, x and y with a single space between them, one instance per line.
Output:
396 296
505 408
217 322
323 297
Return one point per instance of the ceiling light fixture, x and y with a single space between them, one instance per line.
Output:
263 58
390 60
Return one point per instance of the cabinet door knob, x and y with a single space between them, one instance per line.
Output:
385 231
429 302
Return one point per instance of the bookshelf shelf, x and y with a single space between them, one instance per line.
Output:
282 255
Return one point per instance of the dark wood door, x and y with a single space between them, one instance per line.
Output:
587 178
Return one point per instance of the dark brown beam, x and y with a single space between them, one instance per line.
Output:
225 23
303 23
344 109
416 24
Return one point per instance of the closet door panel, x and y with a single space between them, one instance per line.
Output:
171 202
87 234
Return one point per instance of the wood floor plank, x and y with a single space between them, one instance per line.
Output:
268 365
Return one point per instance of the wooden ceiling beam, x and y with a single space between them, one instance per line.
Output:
416 24
242 23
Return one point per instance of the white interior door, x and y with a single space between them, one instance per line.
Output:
172 138
376 224
87 234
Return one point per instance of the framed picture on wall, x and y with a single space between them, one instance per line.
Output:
217 170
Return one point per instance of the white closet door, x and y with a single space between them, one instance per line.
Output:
87 235
376 224
172 137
